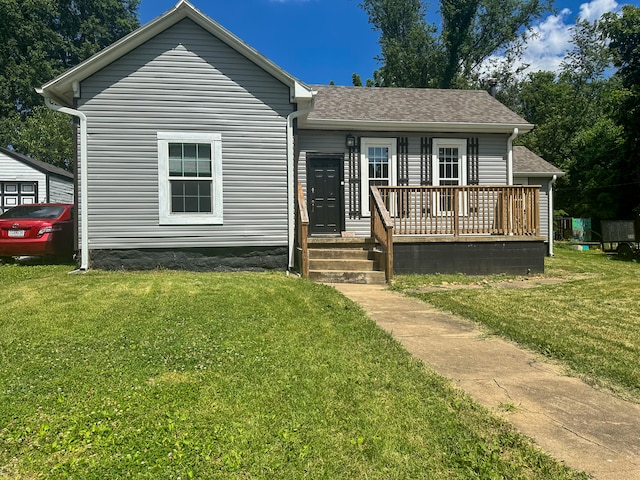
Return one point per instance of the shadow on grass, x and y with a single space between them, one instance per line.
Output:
29 261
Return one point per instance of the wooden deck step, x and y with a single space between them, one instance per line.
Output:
343 261
334 276
344 264
339 253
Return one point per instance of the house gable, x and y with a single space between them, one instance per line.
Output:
66 87
185 66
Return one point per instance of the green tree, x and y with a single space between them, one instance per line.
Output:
409 50
43 134
623 33
415 54
576 126
589 58
39 39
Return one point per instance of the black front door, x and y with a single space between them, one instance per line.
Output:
324 195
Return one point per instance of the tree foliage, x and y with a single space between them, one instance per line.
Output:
39 39
623 32
587 122
415 53
407 43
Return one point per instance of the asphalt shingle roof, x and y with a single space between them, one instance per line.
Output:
37 164
420 105
525 161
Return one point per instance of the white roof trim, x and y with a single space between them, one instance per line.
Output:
537 174
61 88
328 124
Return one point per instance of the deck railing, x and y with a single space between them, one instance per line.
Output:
302 233
382 229
462 210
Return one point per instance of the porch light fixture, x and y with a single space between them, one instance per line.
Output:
351 141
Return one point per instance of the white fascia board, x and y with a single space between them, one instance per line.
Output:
302 91
442 127
539 174
61 88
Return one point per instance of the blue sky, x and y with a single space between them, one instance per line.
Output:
323 40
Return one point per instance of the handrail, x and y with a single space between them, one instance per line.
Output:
382 229
303 231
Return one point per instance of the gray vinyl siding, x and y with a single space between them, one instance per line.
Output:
492 160
185 80
60 190
544 199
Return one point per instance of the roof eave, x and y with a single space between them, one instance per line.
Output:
61 88
39 165
539 174
378 126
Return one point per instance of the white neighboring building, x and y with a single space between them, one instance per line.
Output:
27 180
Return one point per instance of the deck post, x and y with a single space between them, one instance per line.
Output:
303 233
456 213
382 229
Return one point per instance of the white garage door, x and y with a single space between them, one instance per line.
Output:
17 193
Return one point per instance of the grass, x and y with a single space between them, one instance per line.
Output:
182 375
589 319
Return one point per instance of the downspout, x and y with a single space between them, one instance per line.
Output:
510 156
84 226
550 214
291 187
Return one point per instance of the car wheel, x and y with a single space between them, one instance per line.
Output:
7 260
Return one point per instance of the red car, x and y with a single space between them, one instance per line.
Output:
37 229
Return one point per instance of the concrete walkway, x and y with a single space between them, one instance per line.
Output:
589 430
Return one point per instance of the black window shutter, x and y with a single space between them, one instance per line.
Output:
403 161
425 161
354 181
473 161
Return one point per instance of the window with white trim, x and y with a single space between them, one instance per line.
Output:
449 157
189 178
378 158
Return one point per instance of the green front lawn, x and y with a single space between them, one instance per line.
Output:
589 318
183 375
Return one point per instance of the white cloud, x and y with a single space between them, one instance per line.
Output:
548 42
550 39
593 10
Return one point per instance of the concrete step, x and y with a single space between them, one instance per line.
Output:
341 264
332 276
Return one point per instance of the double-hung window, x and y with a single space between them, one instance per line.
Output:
189 178
449 169
378 161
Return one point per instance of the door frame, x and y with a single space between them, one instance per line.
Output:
385 142
339 158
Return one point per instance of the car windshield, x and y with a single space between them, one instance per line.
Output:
34 211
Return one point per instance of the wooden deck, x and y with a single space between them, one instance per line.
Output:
498 225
